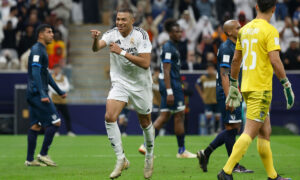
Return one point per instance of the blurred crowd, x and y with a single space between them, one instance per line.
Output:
201 22
18 22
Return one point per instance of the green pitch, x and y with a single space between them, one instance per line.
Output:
91 157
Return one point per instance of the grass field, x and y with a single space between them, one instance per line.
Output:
91 157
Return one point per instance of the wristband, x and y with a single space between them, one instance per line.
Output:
169 92
123 53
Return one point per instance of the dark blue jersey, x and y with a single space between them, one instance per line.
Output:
225 55
170 54
38 75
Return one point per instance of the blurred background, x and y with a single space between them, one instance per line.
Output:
85 74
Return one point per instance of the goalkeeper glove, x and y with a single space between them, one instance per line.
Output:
234 97
288 92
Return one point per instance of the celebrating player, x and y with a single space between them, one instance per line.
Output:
170 87
131 79
232 120
42 110
258 46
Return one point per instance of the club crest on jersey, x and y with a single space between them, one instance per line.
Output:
132 40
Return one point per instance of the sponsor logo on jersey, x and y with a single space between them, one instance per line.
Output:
118 41
132 40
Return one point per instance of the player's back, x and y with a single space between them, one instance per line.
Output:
38 57
170 54
256 39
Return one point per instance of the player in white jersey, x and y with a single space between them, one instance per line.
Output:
131 79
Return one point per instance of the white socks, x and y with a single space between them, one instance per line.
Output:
114 136
149 139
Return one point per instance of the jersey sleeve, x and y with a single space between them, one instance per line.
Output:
166 55
238 45
225 57
144 45
37 58
199 80
107 37
272 40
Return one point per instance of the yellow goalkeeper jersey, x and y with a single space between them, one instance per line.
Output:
256 39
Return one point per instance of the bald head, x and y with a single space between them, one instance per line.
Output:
231 28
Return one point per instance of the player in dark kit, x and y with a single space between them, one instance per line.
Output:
231 120
170 87
42 110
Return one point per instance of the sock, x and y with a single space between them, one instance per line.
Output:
31 144
123 128
264 150
180 142
239 149
149 139
49 134
217 125
230 140
114 136
156 132
218 141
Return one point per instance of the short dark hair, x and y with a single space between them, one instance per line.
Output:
41 28
128 10
169 23
266 5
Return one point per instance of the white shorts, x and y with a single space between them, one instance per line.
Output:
141 100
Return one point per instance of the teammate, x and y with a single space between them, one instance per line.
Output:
231 120
131 79
258 46
42 109
170 87
206 87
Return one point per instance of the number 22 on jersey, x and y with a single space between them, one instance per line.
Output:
249 48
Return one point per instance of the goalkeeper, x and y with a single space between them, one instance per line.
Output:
232 120
258 45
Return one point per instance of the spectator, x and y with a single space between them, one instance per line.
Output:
61 8
281 10
218 37
1 32
296 16
24 60
5 6
246 6
56 50
242 19
9 41
27 40
61 103
10 60
59 25
12 17
225 10
287 32
292 55
43 10
77 13
204 7
150 26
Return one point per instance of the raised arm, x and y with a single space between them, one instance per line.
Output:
97 44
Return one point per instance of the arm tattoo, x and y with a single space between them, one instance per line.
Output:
225 72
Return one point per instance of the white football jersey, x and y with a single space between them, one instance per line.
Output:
122 70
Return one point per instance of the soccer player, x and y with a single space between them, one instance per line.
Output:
131 79
206 87
231 120
42 110
170 87
258 46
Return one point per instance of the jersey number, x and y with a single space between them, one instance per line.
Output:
253 54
